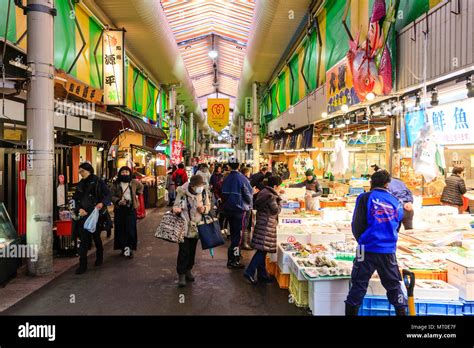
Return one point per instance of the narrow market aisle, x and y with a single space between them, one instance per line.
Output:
147 285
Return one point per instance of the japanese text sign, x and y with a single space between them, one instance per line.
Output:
177 147
453 123
113 63
218 113
248 132
248 108
339 87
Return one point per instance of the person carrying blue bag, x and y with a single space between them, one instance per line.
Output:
375 224
192 201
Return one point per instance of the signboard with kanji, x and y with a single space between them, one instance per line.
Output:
177 147
113 65
218 113
340 88
248 132
453 123
248 108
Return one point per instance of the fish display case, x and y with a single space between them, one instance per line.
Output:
8 239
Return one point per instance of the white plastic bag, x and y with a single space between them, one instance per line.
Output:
166 198
91 222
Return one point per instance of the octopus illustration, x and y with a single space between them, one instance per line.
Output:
370 62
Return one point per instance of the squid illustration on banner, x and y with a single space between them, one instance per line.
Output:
218 113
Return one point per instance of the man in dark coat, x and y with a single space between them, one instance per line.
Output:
268 206
256 180
91 193
237 200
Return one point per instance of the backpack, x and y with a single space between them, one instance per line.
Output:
179 180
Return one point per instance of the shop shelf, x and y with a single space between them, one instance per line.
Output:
379 306
299 291
468 308
283 280
270 266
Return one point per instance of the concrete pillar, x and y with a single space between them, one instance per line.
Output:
191 134
40 134
256 129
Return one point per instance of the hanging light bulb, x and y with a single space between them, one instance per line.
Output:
370 96
344 108
324 114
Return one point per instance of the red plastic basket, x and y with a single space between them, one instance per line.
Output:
64 228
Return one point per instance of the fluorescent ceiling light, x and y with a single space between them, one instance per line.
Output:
213 54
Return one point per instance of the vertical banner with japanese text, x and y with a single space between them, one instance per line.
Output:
177 147
218 113
113 65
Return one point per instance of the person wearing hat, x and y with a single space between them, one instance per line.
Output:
193 200
313 190
91 193
237 201
125 191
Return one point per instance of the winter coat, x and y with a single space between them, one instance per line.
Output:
267 204
182 173
453 191
236 193
205 175
136 188
170 185
89 192
215 179
194 201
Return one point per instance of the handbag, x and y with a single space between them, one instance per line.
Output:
172 228
209 232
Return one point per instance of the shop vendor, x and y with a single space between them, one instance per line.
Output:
313 190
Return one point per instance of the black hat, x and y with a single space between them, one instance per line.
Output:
125 168
87 166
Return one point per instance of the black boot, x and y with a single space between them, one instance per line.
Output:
352 310
99 259
401 311
82 266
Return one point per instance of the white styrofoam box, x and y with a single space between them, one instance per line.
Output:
466 289
335 214
330 304
460 220
326 297
319 238
295 269
283 260
295 192
460 267
422 291
293 235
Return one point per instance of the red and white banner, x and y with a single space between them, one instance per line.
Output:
248 132
177 147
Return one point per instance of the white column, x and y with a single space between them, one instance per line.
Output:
40 134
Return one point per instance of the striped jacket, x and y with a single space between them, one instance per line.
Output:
453 191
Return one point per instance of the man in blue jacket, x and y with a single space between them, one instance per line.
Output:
237 201
375 225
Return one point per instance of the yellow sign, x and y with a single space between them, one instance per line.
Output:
218 113
113 63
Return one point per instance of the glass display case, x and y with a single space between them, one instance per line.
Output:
8 237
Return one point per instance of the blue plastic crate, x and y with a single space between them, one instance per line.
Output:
356 190
291 205
468 308
379 305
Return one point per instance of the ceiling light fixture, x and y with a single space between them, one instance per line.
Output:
290 128
344 108
324 114
470 87
370 96
434 97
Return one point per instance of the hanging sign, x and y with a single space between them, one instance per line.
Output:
218 113
113 63
339 87
248 108
453 123
248 132
177 147
29 154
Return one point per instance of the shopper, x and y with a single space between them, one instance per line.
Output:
248 229
125 192
192 201
375 225
454 190
179 176
313 190
216 177
91 193
237 200
405 196
204 172
257 179
268 206
170 185
223 222
285 172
